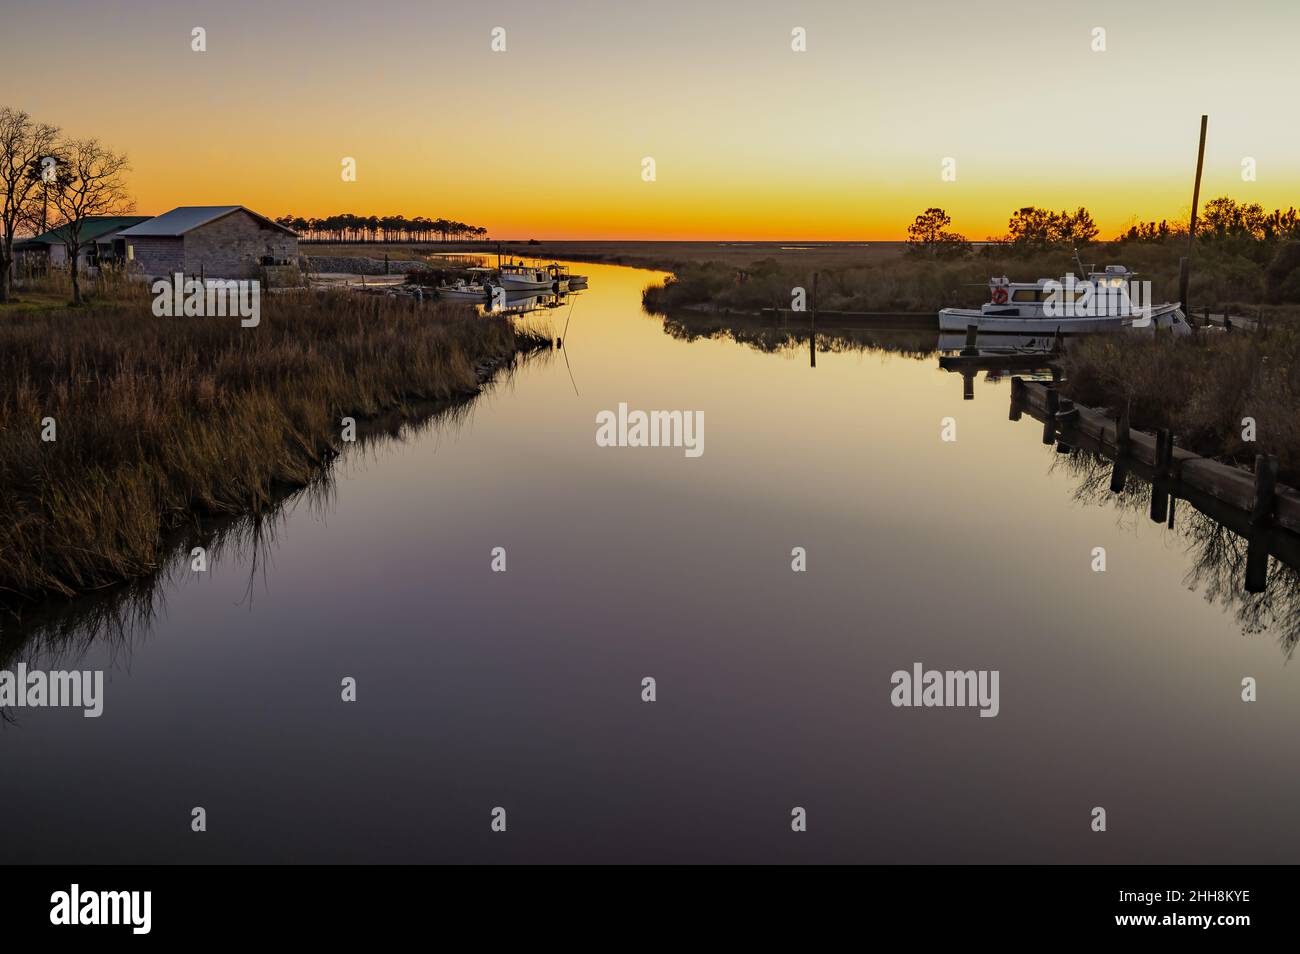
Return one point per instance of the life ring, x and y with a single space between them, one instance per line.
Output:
999 296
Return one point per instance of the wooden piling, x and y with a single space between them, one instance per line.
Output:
1164 452
1017 397
1123 440
1118 474
1265 489
1160 483
1049 422
971 332
1257 561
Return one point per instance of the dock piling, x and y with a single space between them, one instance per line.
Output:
1049 423
1265 488
1123 439
1160 483
1017 397
1261 516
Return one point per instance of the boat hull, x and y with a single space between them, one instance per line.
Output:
959 319
518 283
463 294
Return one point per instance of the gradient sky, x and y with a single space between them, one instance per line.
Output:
750 139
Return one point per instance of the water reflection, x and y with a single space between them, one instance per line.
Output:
1229 562
526 302
775 336
1219 553
57 632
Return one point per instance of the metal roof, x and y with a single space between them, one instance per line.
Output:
92 227
186 218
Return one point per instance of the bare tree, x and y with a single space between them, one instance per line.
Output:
23 144
89 182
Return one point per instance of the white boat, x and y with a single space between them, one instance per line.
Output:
479 288
520 277
577 281
1104 301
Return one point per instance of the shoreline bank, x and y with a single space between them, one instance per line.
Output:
121 428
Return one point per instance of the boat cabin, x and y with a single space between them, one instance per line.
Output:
1100 294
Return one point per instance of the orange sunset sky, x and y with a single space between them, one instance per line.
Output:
751 140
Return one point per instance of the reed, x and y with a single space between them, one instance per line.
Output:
161 421
1224 272
1202 388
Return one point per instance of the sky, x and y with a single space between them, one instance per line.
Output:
750 139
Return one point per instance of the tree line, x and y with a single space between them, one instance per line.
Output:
348 227
50 181
1033 228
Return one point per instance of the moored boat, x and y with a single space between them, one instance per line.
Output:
1104 301
520 277
478 288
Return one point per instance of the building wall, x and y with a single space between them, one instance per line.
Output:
233 247
158 256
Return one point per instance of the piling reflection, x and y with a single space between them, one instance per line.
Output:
1219 555
774 336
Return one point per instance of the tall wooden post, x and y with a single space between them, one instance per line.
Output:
1184 269
1052 402
1017 397
1260 518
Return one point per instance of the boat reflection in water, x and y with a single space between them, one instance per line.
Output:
525 302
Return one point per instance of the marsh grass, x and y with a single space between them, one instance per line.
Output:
1201 388
162 422
1222 273
60 632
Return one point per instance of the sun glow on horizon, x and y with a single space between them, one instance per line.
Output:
751 140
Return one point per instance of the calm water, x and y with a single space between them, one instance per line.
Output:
477 689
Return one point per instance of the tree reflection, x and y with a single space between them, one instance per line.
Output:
1217 552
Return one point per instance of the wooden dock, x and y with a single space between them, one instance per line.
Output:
1252 505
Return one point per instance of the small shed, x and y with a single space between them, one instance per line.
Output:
215 241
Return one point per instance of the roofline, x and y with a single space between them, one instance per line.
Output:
238 208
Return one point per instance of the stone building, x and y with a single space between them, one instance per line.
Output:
213 241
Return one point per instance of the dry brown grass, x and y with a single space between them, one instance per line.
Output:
1201 388
161 420
849 280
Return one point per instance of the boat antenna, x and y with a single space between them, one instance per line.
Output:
1083 272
